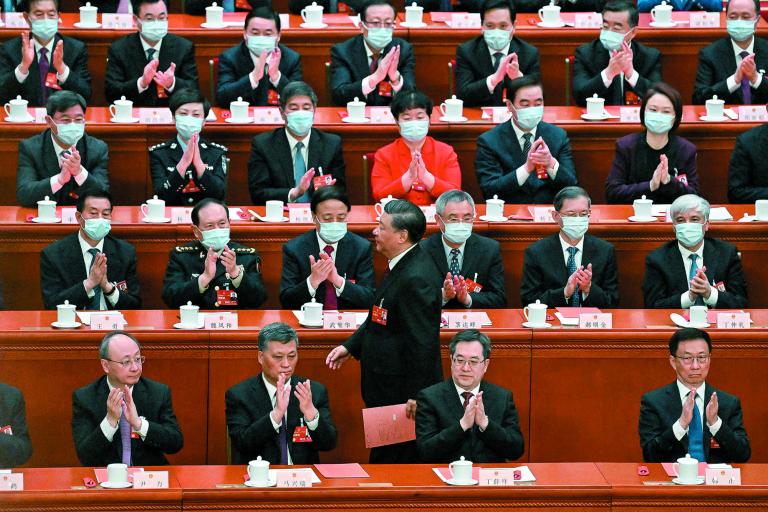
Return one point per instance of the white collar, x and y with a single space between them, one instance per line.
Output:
85 246
504 51
111 387
57 148
461 390
394 261
565 245
292 141
519 133
448 248
146 46
322 243
687 252
271 390
48 47
737 49
684 390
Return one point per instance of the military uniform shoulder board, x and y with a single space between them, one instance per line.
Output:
220 146
185 248
245 250
158 146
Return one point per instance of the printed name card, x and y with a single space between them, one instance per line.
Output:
221 321
465 20
155 116
542 214
596 320
12 482
285 20
629 114
429 212
15 20
39 113
117 21
464 320
294 478
267 115
588 20
734 320
381 115
339 321
499 477
181 215
729 476
107 321
68 215
705 19
150 480
299 215
754 113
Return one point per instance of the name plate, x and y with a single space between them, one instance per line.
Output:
596 320
267 115
12 482
117 21
181 215
294 478
15 20
733 320
729 476
464 320
588 20
155 115
381 115
429 212
299 215
705 19
221 321
107 321
753 113
498 477
465 20
68 215
150 480
542 214
285 20
338 321
629 114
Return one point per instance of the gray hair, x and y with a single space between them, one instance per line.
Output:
572 192
468 336
452 196
297 89
104 346
277 331
689 202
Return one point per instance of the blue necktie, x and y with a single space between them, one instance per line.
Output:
696 435
299 168
96 300
44 66
746 92
694 267
455 269
576 297
125 438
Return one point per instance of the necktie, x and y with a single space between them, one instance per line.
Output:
151 54
282 438
333 6
527 144
374 62
228 5
122 7
331 301
299 168
746 91
455 269
576 297
467 395
125 438
96 300
497 59
44 66
694 267
696 435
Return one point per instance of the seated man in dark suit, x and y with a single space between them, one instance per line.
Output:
148 66
213 271
693 270
89 268
690 416
466 261
732 67
266 414
122 417
15 446
748 167
486 64
372 66
486 428
284 161
258 68
62 162
30 66
524 160
571 268
615 66
329 264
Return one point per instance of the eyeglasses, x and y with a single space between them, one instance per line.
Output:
688 360
379 24
138 361
459 362
575 214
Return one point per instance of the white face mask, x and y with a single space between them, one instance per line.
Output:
457 232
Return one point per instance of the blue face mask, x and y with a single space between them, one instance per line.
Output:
689 233
259 44
215 239
611 40
97 229
529 118
70 133
187 125
740 30
658 123
300 122
457 232
496 39
154 30
414 131
45 29
379 38
332 232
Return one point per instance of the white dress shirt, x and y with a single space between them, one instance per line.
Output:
109 431
677 429
391 264
521 172
87 258
54 181
685 299
576 258
21 77
272 392
367 88
146 46
730 82
322 243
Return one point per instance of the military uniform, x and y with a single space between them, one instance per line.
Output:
187 262
169 185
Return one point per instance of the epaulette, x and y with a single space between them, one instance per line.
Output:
220 146
186 248
158 146
244 250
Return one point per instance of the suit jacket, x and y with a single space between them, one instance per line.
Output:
717 62
665 278
482 256
440 438
75 56
38 163
349 65
126 61
748 168
662 407
399 359
622 186
499 154
270 166
354 261
545 273
474 64
153 401
16 448
592 58
394 159
62 273
251 430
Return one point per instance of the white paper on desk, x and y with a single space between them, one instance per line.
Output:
234 214
274 472
381 115
720 213
157 115
211 116
525 473
355 20
85 316
285 20
40 114
659 210
359 317
564 320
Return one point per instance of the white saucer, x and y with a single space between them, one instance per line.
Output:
453 481
60 325
461 119
179 325
307 324
713 119
29 119
156 221
635 218
38 220
313 25
271 482
601 117
116 485
351 120
680 321
413 25
748 218
126 121
529 325
699 481
213 25
87 25
493 219
247 120
656 24
559 24
268 219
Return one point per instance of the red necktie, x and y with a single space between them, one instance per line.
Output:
374 62
331 301
467 396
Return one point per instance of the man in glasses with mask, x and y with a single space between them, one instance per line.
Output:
213 272
469 264
328 264
571 268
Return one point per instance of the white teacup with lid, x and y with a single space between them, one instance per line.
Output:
65 313
715 107
413 14
356 110
122 110
312 14
461 469
662 14
88 15
153 210
687 469
214 15
643 208
452 108
494 208
239 110
595 106
379 207
189 315
46 210
550 14
535 313
313 312
16 109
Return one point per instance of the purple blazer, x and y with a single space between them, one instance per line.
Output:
620 190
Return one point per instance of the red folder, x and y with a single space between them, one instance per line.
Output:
387 425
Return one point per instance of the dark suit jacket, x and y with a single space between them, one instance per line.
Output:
499 154
474 64
15 449
354 260
62 273
235 64
349 65
399 359
592 58
717 62
482 256
251 430
440 438
153 401
270 166
748 168
662 407
38 163
623 186
545 273
126 61
75 56
665 278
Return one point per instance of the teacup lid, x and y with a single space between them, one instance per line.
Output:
259 462
495 199
239 101
214 7
356 101
18 100
715 99
189 305
595 97
462 461
538 301
643 199
314 6
67 305
88 7
46 200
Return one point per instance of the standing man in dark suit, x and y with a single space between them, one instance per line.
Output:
693 270
748 167
372 66
89 268
283 162
148 66
398 345
732 67
469 265
615 67
690 416
571 268
15 446
36 67
467 415
122 417
524 160
62 162
257 69
329 264
486 64
277 415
